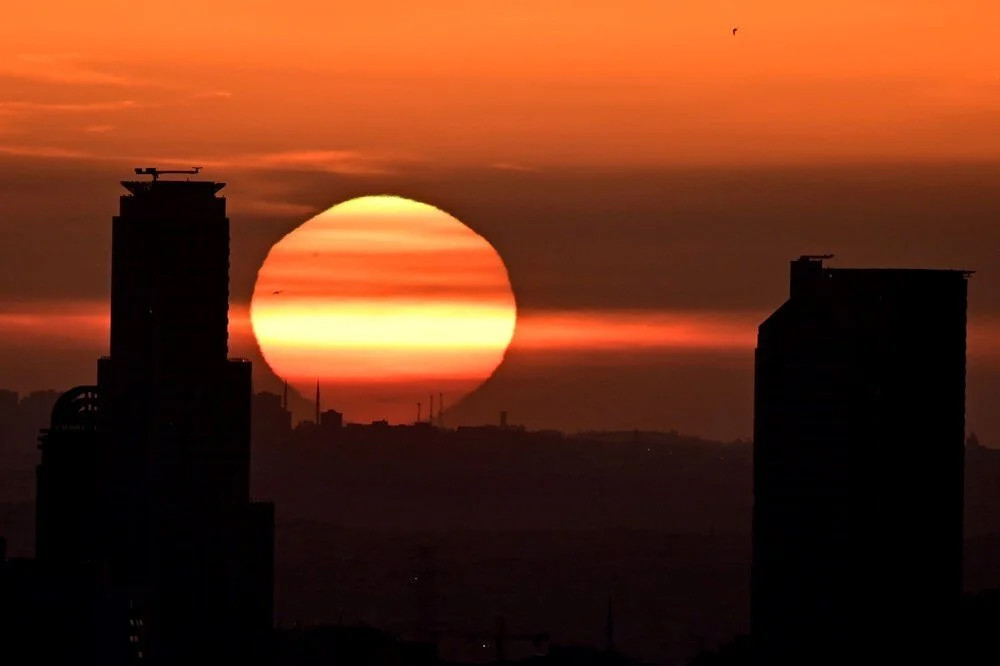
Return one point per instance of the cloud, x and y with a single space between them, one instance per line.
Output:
610 331
540 331
53 152
984 338
68 107
85 324
513 166
336 161
212 94
44 323
350 162
66 68
343 162
267 208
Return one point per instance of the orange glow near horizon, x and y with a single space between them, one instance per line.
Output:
87 324
383 291
636 331
543 339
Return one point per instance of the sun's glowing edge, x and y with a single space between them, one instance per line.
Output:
459 341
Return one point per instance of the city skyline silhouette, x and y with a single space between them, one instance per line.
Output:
55 326
451 333
148 548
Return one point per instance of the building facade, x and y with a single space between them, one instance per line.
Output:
184 557
859 419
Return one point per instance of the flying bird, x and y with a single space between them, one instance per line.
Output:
278 292
734 30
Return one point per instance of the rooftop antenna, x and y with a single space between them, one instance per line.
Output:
156 173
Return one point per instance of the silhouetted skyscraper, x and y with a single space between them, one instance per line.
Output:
144 481
858 465
190 550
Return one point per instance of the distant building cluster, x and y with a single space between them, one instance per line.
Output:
19 420
272 426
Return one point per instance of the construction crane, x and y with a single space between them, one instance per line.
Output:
156 173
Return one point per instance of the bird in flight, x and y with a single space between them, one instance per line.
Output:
734 30
278 292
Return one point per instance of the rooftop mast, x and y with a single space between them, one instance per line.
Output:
156 173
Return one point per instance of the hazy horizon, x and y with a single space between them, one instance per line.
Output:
638 292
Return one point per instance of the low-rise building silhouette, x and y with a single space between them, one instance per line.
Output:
272 421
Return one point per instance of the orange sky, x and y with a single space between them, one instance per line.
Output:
571 134
518 84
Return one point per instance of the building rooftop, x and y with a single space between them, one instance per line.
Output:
172 188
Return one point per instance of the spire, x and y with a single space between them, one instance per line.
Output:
317 402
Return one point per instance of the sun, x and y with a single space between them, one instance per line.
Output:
384 301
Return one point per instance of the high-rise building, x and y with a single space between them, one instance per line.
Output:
189 547
185 557
859 421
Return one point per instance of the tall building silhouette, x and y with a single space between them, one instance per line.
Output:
859 421
184 557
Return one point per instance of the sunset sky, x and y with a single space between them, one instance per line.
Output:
644 174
